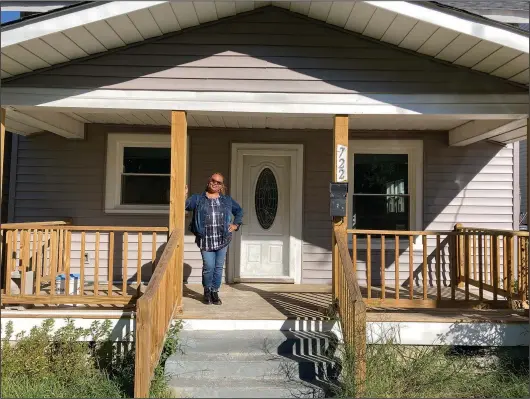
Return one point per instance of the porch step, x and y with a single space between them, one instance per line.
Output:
254 364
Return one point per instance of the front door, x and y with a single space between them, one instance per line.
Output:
268 245
265 236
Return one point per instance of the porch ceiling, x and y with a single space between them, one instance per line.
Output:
427 29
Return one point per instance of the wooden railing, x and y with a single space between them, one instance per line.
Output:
351 307
57 263
462 267
154 313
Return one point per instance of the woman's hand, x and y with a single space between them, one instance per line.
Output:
232 227
186 191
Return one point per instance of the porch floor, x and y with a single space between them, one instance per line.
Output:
287 301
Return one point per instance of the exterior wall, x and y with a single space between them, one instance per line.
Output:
523 177
58 178
269 50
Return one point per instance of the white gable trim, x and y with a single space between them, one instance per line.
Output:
479 30
43 27
482 106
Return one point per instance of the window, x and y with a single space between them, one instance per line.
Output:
385 185
138 173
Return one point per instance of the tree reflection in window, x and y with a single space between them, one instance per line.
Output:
266 198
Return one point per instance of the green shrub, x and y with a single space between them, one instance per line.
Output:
75 362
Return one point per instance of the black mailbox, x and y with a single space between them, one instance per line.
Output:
337 204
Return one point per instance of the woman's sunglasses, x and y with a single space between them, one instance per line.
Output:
216 182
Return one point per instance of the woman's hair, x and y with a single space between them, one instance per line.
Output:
223 187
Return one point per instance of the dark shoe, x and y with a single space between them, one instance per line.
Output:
207 297
215 298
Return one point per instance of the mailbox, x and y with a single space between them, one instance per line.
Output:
338 193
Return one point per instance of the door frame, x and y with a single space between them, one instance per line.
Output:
296 153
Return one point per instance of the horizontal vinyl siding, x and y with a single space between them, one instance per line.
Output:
523 177
266 51
59 178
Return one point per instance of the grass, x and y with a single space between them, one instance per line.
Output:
394 370
73 362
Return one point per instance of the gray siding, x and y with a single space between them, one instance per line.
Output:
266 51
523 177
58 178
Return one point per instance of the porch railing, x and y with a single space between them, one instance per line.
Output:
462 267
351 307
154 313
57 263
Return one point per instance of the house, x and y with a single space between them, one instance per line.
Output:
114 107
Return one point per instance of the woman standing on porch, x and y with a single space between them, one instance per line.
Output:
212 226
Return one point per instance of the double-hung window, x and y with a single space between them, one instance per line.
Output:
385 190
138 173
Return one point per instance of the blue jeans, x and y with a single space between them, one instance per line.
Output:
212 268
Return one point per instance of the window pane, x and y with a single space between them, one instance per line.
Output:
381 174
146 160
145 190
380 212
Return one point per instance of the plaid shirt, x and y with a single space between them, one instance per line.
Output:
213 239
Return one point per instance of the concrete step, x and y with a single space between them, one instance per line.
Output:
253 364
193 388
258 342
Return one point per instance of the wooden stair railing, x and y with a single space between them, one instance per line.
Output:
154 312
351 307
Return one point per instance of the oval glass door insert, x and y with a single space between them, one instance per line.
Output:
266 198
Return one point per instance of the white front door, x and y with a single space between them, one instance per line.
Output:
267 182
265 236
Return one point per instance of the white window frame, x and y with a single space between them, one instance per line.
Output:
116 142
414 150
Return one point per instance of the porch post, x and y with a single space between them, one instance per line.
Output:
2 147
177 198
340 138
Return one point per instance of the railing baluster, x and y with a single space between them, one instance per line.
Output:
67 238
82 265
411 267
96 267
467 251
369 265
60 251
475 256
396 266
383 266
496 263
509 266
125 261
480 268
39 263
9 257
504 263
153 253
424 240
24 255
139 265
53 260
111 263
438 271
492 261
34 250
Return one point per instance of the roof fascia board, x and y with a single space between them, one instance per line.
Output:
481 30
34 6
93 12
496 106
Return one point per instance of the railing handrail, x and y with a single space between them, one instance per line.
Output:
63 226
154 313
163 264
344 254
23 225
459 231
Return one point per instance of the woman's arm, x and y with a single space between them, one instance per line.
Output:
237 211
191 202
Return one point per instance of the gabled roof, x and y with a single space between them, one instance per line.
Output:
426 28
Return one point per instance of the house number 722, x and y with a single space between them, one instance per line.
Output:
342 171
